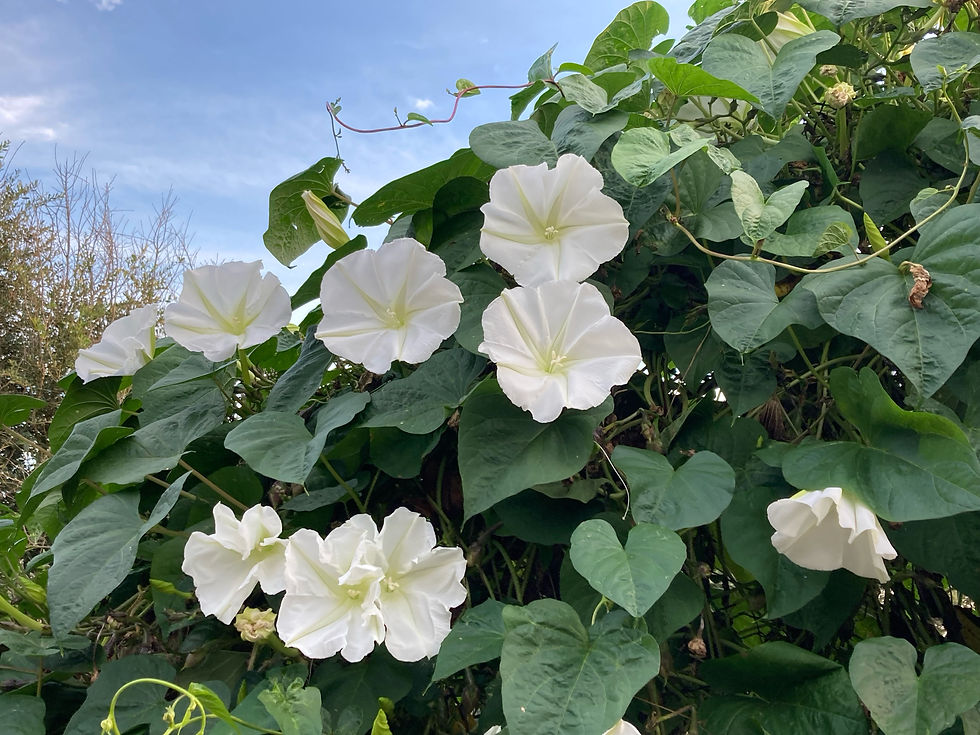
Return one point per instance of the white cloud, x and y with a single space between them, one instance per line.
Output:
107 4
21 117
423 104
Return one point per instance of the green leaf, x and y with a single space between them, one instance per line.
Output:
475 638
747 536
417 117
840 12
356 688
157 446
295 386
399 454
814 231
559 677
642 155
585 93
416 190
16 408
541 68
693 495
295 708
919 465
502 450
870 301
746 380
634 27
96 550
278 445
826 613
958 556
889 183
211 701
944 58
250 708
883 674
633 577
291 229
741 60
140 704
310 289
82 401
679 605
503 144
22 715
760 216
578 131
380 724
793 691
744 309
88 438
420 403
463 83
686 80
889 127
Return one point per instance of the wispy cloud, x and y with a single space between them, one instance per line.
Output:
27 117
107 4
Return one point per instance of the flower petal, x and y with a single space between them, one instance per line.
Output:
544 225
394 303
226 307
557 346
222 579
127 344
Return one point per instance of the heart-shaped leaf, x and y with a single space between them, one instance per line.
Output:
883 674
870 301
633 577
559 677
695 494
760 216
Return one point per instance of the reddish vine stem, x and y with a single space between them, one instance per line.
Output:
404 126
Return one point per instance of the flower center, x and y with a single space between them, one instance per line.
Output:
392 318
354 593
550 232
556 363
390 585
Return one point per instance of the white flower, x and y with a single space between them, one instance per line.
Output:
226 564
358 587
393 303
826 529
226 307
421 585
546 224
495 730
126 345
557 346
622 728
327 224
332 590
788 28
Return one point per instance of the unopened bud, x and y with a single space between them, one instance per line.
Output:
327 224
839 95
828 70
255 625
697 647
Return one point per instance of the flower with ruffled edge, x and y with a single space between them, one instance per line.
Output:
226 307
332 591
557 346
555 224
421 585
828 529
393 303
126 345
226 564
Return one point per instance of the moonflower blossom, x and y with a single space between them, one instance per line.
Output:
332 591
226 307
226 564
126 345
358 587
828 529
421 585
393 303
546 224
557 346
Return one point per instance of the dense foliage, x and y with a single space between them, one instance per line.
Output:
789 303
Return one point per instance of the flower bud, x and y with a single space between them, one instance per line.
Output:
327 224
828 70
255 625
839 95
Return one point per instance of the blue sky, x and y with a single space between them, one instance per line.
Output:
223 99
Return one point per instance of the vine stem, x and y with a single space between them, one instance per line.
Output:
404 126
222 493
